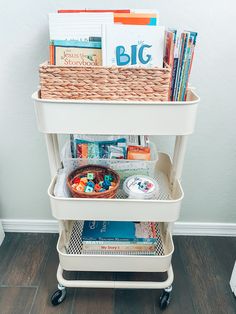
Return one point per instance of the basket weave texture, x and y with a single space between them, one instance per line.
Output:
104 83
99 172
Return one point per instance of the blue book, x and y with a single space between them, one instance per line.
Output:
115 231
76 43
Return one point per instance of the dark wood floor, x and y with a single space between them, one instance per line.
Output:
202 267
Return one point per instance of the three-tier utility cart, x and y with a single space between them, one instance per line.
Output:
117 117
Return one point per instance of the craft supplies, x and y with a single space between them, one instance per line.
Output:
139 153
93 181
101 149
141 187
88 184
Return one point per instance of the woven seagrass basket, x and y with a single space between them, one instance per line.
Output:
99 172
104 83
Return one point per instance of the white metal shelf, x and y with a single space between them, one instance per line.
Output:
116 117
71 257
165 208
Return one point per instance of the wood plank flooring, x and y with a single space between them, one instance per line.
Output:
202 268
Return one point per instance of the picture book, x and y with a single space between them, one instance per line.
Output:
77 26
75 53
169 51
180 59
118 231
132 45
136 18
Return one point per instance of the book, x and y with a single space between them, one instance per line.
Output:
75 53
136 18
183 61
132 45
77 26
119 231
193 37
174 67
169 52
183 53
93 11
185 68
119 247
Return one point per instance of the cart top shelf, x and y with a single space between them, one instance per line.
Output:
116 117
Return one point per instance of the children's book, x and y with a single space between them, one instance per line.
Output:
136 18
132 45
77 26
119 231
175 65
76 53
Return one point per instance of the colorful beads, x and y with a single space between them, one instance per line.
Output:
92 183
90 176
88 189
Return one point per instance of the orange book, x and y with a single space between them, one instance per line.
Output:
140 15
135 18
51 54
132 20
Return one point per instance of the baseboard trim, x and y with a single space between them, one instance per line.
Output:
180 228
205 229
30 225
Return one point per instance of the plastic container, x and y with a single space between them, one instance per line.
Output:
124 167
141 187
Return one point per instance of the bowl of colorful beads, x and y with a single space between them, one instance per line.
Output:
93 181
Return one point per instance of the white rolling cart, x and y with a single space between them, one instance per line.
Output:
116 117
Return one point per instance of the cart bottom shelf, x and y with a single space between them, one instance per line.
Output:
73 258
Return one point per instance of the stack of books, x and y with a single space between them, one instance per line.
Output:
119 237
121 38
179 52
106 37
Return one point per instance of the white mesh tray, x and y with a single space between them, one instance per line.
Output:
73 258
75 245
165 207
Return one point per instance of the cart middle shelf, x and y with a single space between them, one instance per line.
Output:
165 208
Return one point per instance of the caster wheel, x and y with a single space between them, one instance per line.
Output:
164 300
58 296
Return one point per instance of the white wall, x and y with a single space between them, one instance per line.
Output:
210 172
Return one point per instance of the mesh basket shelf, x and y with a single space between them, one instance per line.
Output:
72 256
165 207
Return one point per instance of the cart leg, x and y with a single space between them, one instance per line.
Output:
59 295
165 298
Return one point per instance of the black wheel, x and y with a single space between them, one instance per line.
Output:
58 296
164 300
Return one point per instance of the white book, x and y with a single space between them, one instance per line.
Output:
132 45
77 26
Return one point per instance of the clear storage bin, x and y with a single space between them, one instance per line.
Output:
124 167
